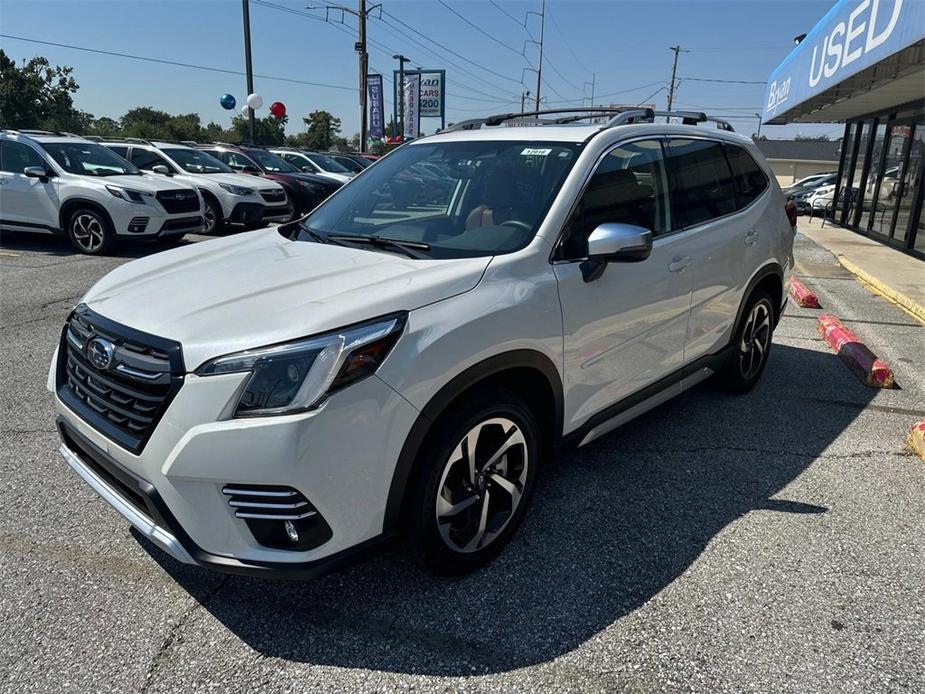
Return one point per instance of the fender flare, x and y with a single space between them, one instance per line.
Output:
769 270
75 203
444 398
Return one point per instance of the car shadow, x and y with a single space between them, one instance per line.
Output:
611 525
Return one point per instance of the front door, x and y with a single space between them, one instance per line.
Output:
625 330
25 203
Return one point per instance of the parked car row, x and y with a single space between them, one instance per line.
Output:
800 192
101 190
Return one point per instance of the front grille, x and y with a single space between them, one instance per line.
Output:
182 223
176 201
273 195
117 379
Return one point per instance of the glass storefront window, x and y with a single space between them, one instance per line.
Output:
904 192
874 211
852 191
847 154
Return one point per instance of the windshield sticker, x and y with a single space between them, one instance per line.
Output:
531 152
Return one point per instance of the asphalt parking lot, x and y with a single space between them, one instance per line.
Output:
767 542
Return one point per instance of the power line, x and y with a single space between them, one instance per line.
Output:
175 63
509 15
481 30
703 79
567 43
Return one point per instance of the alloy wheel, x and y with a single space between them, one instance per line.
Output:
756 338
211 219
482 485
88 233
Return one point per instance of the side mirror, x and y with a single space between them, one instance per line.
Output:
308 169
615 243
160 169
38 172
251 170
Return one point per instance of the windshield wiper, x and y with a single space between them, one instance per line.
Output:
412 249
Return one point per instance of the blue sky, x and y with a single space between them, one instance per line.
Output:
624 44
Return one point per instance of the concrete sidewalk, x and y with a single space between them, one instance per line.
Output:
895 275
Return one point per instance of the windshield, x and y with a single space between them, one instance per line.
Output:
326 163
462 199
89 159
197 162
271 162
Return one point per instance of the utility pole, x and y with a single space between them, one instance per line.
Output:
674 71
401 93
539 66
523 98
248 67
758 134
364 61
593 78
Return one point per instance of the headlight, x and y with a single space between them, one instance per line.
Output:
296 376
127 194
236 190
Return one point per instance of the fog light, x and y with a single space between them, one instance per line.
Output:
291 531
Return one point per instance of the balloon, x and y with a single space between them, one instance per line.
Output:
228 102
245 110
278 109
255 101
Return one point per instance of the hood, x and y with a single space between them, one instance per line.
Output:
146 183
259 288
318 180
340 178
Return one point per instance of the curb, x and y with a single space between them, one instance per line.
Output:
802 296
904 301
857 357
916 439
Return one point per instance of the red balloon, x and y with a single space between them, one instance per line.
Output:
278 109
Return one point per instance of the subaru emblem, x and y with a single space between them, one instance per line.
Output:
100 353
180 196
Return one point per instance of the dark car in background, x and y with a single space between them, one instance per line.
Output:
305 190
354 163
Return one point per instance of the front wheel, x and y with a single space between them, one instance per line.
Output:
476 475
212 217
751 344
90 232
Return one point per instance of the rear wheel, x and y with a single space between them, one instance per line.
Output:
751 344
476 476
89 231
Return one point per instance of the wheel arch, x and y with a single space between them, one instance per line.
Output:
769 277
527 372
213 198
73 204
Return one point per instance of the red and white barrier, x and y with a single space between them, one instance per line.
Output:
916 439
864 363
802 296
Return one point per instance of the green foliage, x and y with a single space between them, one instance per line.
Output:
37 95
321 132
269 130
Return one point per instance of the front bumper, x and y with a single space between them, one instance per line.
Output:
341 456
277 213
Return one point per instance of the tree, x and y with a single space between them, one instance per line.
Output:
812 138
38 95
269 130
322 129
149 123
103 126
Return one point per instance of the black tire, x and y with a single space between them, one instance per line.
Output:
212 216
452 547
90 231
751 344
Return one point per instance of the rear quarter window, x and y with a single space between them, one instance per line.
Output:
750 180
702 186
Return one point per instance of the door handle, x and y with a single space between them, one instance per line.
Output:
678 263
751 238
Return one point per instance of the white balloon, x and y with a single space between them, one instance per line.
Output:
245 110
255 101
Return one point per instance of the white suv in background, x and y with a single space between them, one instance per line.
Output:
313 162
299 396
60 183
229 197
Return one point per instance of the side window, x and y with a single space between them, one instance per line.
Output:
120 150
236 160
702 187
147 160
750 181
629 186
15 156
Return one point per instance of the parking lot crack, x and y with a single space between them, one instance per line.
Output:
767 451
161 656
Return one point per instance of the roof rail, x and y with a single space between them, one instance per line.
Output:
687 118
34 131
131 140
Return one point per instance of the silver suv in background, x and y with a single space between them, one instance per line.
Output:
229 198
60 183
400 361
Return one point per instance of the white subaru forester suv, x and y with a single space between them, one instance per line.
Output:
58 183
399 363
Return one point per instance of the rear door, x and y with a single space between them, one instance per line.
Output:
725 243
625 330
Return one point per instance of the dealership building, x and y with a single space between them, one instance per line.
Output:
863 65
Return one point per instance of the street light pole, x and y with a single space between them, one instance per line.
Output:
539 66
401 93
248 67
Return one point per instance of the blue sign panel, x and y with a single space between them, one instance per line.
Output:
376 106
854 35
